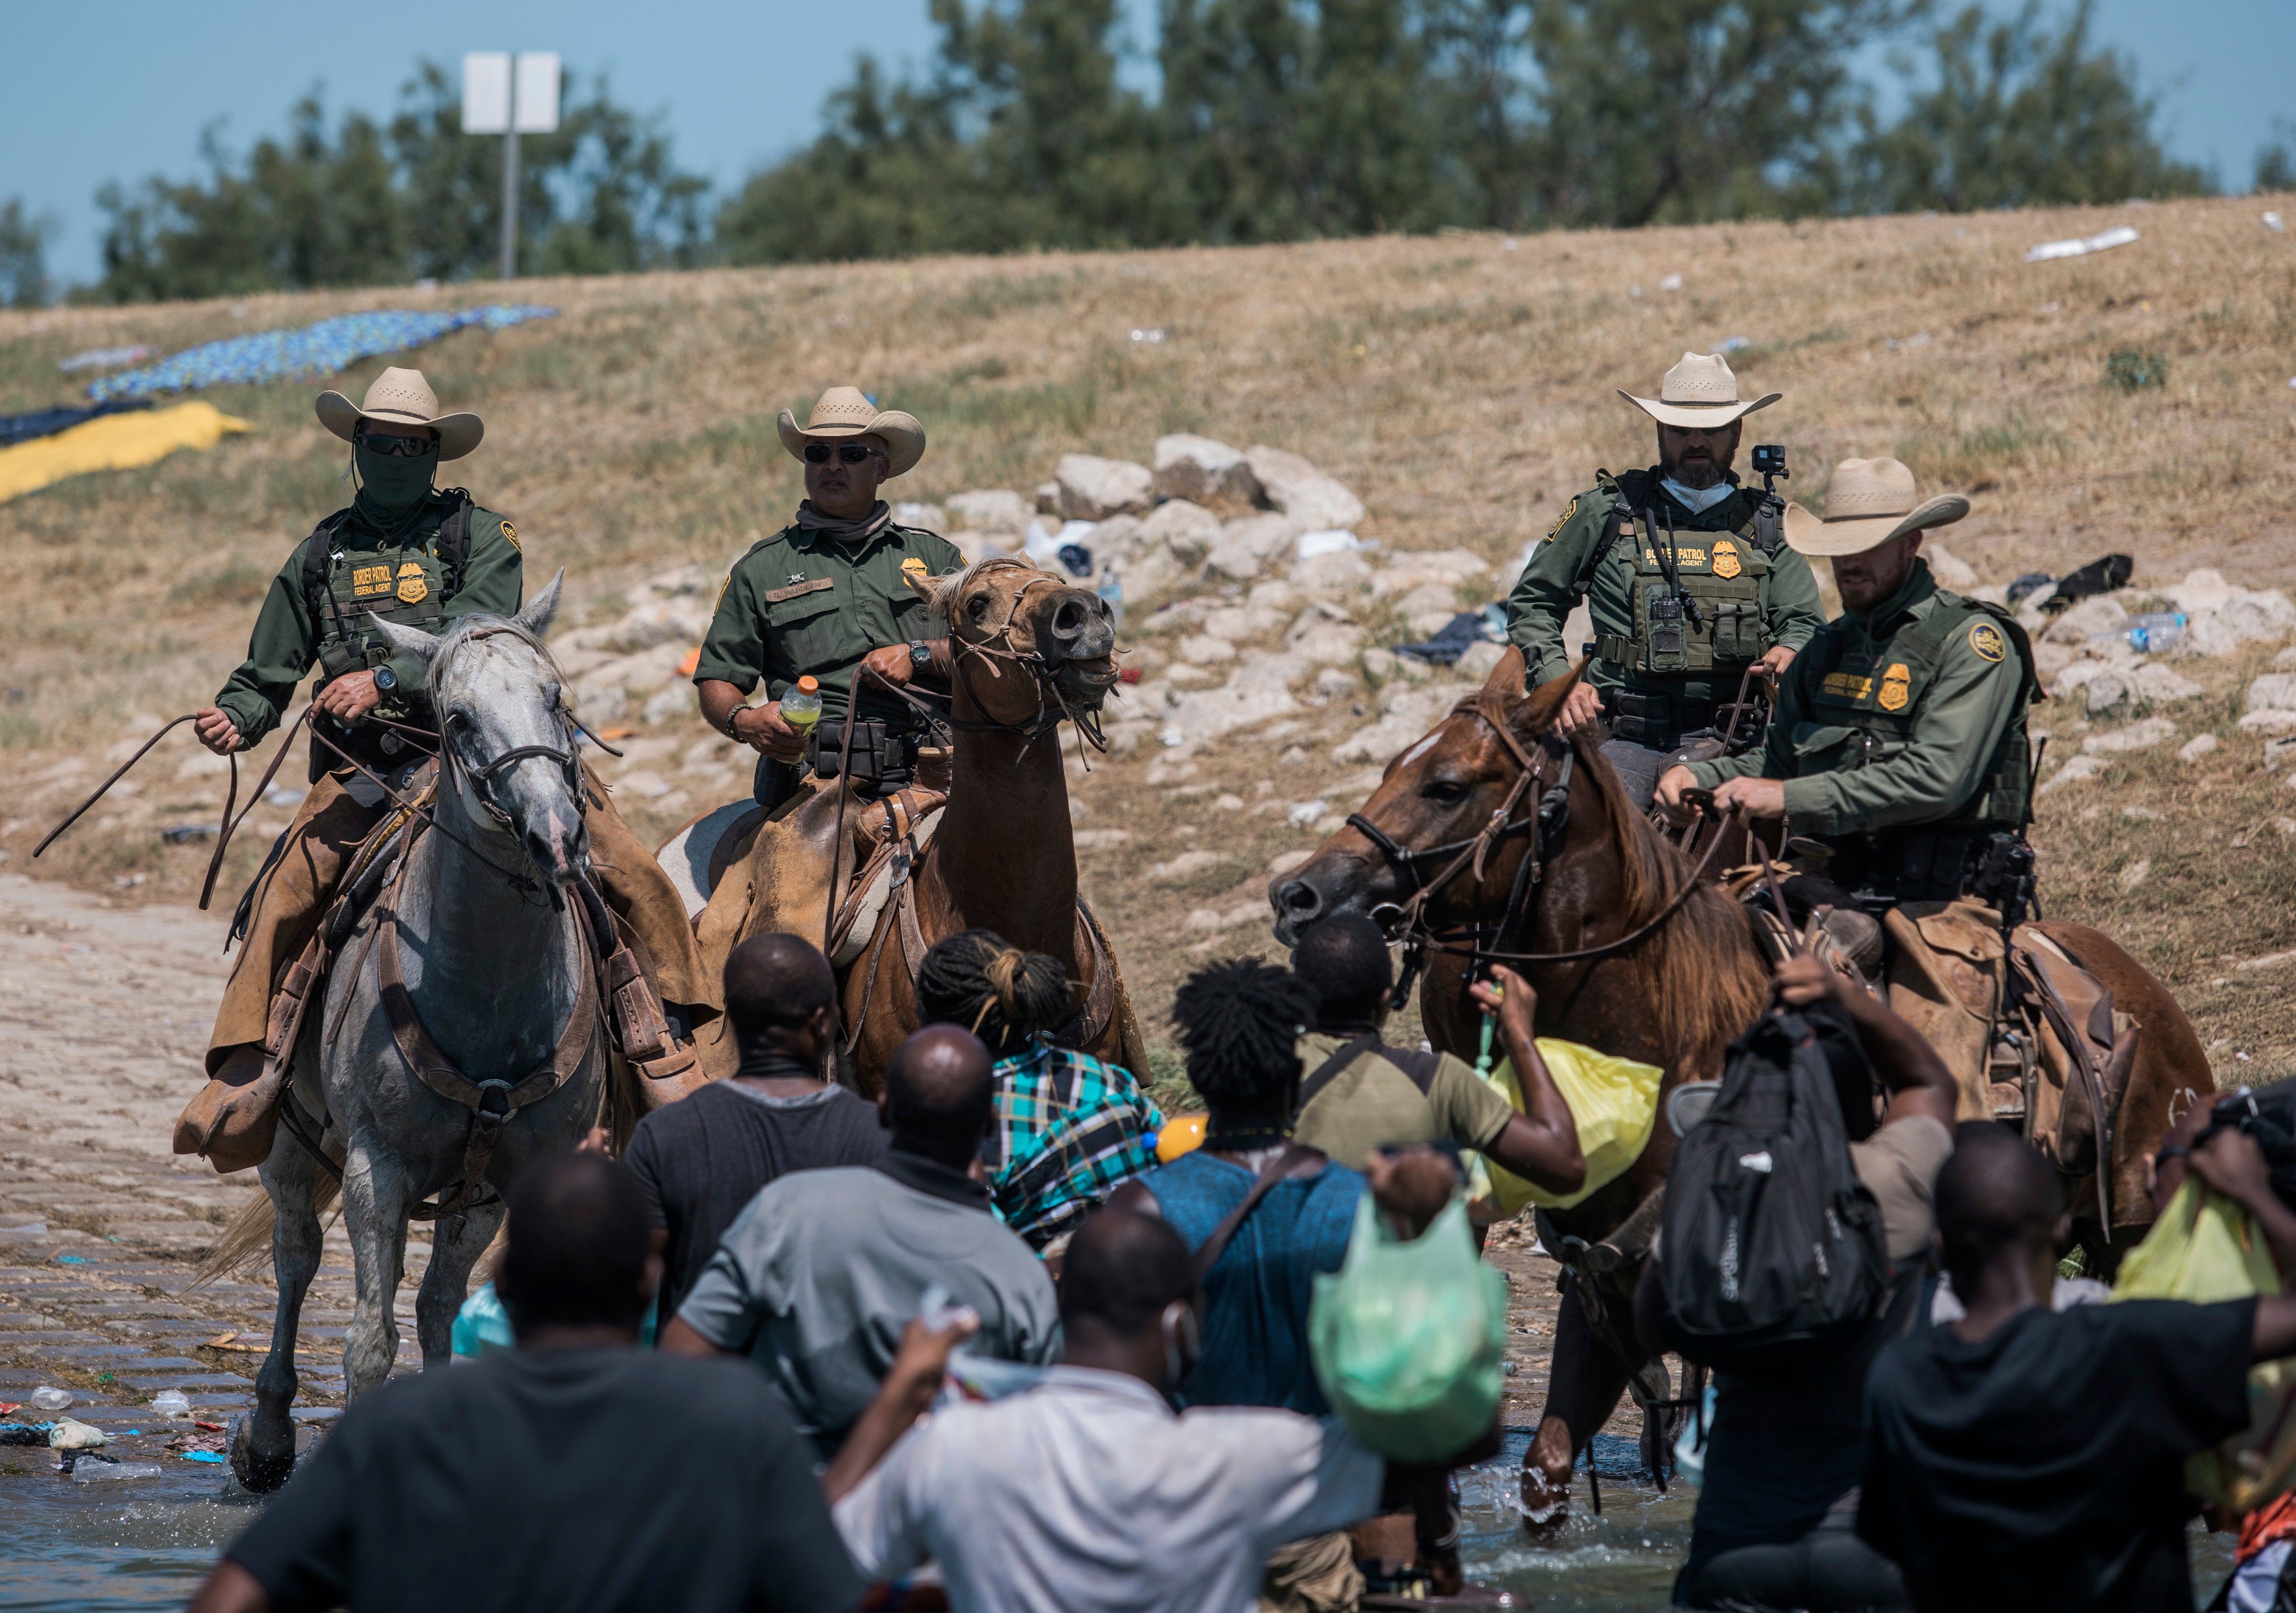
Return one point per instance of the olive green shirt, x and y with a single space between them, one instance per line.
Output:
285 641
1372 1105
1546 593
1922 765
803 603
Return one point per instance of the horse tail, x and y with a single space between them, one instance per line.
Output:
246 1241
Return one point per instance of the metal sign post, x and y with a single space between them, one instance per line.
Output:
510 97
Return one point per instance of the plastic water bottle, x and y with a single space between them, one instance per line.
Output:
1111 594
2156 631
801 707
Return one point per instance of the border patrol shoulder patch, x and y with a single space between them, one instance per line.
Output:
510 536
1568 510
1985 639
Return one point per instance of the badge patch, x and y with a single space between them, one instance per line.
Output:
914 565
510 535
370 579
1847 686
1726 562
1897 687
1985 639
1568 510
413 589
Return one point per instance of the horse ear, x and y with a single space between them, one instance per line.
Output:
406 641
1541 706
542 610
924 587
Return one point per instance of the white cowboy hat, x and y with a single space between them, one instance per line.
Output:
403 398
1867 503
843 411
1699 393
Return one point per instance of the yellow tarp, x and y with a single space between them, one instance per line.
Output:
112 442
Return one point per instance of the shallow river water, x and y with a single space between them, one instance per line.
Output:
144 1543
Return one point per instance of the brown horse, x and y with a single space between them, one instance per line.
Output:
1674 997
1030 649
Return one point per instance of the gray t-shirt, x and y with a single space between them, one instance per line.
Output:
816 1278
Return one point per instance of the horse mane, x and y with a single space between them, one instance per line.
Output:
948 589
1685 970
459 634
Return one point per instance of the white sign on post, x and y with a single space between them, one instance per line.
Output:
485 92
537 108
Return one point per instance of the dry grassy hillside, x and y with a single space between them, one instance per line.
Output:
1463 386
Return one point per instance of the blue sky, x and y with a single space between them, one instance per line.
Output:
97 89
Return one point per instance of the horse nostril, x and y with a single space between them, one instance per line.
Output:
1299 901
1069 620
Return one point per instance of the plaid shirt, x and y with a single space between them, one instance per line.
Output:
1069 1129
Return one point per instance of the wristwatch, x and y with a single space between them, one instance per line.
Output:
920 656
385 679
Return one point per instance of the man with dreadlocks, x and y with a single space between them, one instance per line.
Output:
1241 1022
1069 1127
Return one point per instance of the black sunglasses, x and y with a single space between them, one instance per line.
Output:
399 448
847 453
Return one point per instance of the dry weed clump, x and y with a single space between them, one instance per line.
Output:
1463 385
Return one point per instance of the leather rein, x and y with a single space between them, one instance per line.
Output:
1548 814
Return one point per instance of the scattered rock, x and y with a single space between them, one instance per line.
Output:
2087 619
1048 497
2134 874
2268 721
2135 736
1188 530
1246 547
1479 660
2196 747
930 517
1410 711
1949 569
2278 751
1343 571
1301 491
1408 568
1215 919
2274 691
1203 469
2079 770
1092 489
1093 839
2158 685
1323 636
988 509
2106 690
1185 864
1283 862
1258 688
1242 624
1204 650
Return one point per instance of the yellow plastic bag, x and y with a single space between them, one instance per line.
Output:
2205 1249
1613 1100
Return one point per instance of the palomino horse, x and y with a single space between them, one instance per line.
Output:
464 1037
1031 650
1626 956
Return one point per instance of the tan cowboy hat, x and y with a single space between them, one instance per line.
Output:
844 411
1867 503
405 399
1699 393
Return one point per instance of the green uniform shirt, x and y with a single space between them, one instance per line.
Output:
285 641
1544 597
803 603
1869 734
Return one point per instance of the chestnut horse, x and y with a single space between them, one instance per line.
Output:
1031 650
1674 997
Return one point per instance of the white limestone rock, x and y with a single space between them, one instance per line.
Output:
1246 547
2158 685
1092 489
2135 736
1409 569
1188 530
987 509
2274 691
2079 769
1950 570
1479 660
2196 747
930 517
1292 485
2085 619
1202 469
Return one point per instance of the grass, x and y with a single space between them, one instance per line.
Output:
1463 387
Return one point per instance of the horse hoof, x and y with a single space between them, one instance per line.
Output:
259 1473
1545 1506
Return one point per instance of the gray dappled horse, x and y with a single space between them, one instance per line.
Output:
492 950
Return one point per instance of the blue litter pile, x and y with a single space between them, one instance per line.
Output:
316 350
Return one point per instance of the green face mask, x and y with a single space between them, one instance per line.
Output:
390 485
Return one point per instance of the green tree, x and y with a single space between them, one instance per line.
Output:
23 256
2018 116
2275 159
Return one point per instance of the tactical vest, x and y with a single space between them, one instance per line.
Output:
1725 574
1862 711
408 587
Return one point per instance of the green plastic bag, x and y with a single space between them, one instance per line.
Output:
1408 1338
2202 1250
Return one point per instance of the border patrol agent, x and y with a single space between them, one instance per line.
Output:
1685 576
1899 744
417 555
830 592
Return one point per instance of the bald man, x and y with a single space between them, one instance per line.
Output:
701 1162
818 1277
2024 1457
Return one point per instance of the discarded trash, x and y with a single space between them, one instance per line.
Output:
101 1471
1670 283
104 358
1326 540
182 833
482 1327
1152 337
1731 344
1111 589
1076 558
2031 582
81 1260
210 1456
2272 222
1182 1134
2132 370
171 1403
70 1434
2099 576
24 1433
1457 637
2154 631
1921 339
50 1399
2105 242
314 349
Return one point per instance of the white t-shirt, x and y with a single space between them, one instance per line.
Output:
1088 1492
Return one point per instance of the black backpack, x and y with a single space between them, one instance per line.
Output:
1773 1260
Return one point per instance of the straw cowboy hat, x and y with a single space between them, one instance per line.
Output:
844 411
403 398
1867 503
1699 393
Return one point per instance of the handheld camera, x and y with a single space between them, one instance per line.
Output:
1770 463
